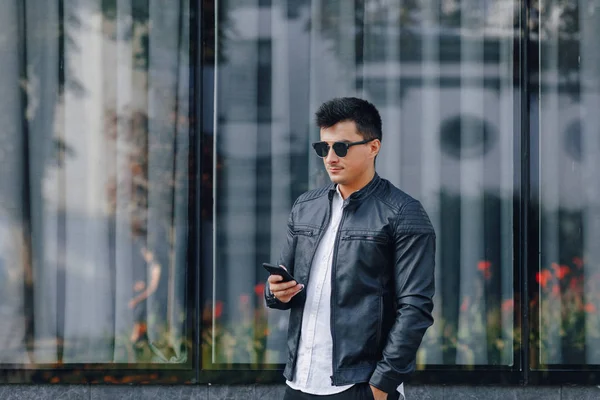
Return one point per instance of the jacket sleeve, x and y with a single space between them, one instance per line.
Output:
286 258
414 265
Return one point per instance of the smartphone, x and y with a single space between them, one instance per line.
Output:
279 270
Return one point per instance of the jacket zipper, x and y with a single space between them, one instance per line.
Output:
379 323
371 238
308 277
304 232
333 297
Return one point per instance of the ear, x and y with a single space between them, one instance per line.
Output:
374 147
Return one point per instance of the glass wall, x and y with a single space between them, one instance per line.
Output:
567 277
129 242
443 76
94 155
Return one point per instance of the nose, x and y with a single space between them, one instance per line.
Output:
331 158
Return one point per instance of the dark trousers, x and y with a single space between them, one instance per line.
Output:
360 391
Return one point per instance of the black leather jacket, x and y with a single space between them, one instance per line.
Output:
382 281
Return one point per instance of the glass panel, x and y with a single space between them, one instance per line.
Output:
568 275
442 76
94 181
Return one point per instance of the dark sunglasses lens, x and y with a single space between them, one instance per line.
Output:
321 148
340 149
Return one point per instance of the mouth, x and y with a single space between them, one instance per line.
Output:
333 170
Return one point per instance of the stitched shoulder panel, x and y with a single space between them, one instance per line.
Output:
411 217
414 220
313 194
393 197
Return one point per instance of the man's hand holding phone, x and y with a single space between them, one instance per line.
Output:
283 286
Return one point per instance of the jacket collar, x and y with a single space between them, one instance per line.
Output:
359 195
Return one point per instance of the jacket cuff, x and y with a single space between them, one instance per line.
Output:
384 383
272 301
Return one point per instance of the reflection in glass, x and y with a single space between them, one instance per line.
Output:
442 75
93 181
568 276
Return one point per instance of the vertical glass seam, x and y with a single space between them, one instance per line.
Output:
524 200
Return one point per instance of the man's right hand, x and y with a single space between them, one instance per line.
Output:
283 291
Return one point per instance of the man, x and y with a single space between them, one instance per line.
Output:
362 252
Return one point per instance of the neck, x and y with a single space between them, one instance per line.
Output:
347 190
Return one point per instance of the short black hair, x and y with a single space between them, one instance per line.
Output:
364 114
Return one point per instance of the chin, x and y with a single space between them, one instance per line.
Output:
336 179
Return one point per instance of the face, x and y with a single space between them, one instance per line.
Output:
355 169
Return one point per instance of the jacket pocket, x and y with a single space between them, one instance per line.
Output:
304 232
366 237
306 238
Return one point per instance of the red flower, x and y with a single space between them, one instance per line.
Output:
508 305
555 290
484 266
590 308
244 299
578 262
560 270
259 289
563 271
543 277
574 284
218 309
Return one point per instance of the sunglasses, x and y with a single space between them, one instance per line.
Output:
340 148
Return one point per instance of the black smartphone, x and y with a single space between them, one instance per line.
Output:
279 270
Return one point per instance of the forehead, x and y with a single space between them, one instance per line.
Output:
342 131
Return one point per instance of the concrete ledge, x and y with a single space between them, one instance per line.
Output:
275 392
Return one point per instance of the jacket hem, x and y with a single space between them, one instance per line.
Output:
352 375
384 383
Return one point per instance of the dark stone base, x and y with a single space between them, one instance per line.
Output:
275 392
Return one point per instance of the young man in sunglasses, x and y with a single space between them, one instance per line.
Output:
362 253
